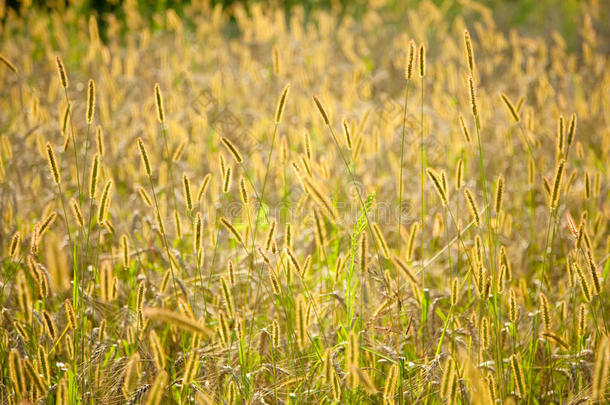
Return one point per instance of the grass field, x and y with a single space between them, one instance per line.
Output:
242 206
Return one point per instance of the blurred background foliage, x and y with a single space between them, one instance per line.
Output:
531 17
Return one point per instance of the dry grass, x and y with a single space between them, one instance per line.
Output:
229 241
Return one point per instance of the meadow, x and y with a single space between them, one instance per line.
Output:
242 205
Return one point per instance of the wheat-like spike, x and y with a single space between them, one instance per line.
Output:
50 327
14 246
380 239
16 372
159 104
157 350
307 145
64 121
465 131
411 241
228 296
320 230
270 235
144 156
34 240
518 376
301 321
602 369
491 387
232 149
70 314
131 375
531 171
473 100
125 250
90 101
104 203
46 223
43 364
8 63
176 319
100 141
94 176
227 224
584 282
294 260
511 107
582 321
327 367
61 70
188 196
597 288
571 130
346 133
363 253
447 377
422 60
555 338
322 110
144 195
472 205
77 213
438 185
204 186
545 311
404 268
484 334
557 184
35 381
222 164
513 308
499 194
410 60
198 233
226 183
178 152
243 191
281 105
52 160
587 186
469 53
560 139
319 198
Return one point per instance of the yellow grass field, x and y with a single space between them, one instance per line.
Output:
241 205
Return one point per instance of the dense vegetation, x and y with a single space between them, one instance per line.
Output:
255 207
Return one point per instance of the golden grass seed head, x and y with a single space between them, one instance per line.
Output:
545 311
49 324
176 319
592 266
581 324
307 145
511 107
104 202
472 206
301 321
499 194
571 130
404 268
52 160
178 152
281 105
61 70
555 338
411 242
232 149
125 250
145 197
64 121
390 384
469 52
422 60
226 183
101 149
322 110
518 375
90 101
556 189
243 192
347 134
227 224
198 232
587 185
492 387
438 185
77 213
43 363
144 156
276 61
94 176
465 131
13 249
473 100
294 260
159 104
70 314
320 229
204 186
188 195
157 389
270 235
585 285
601 373
484 334
380 239
410 60
363 256
46 223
